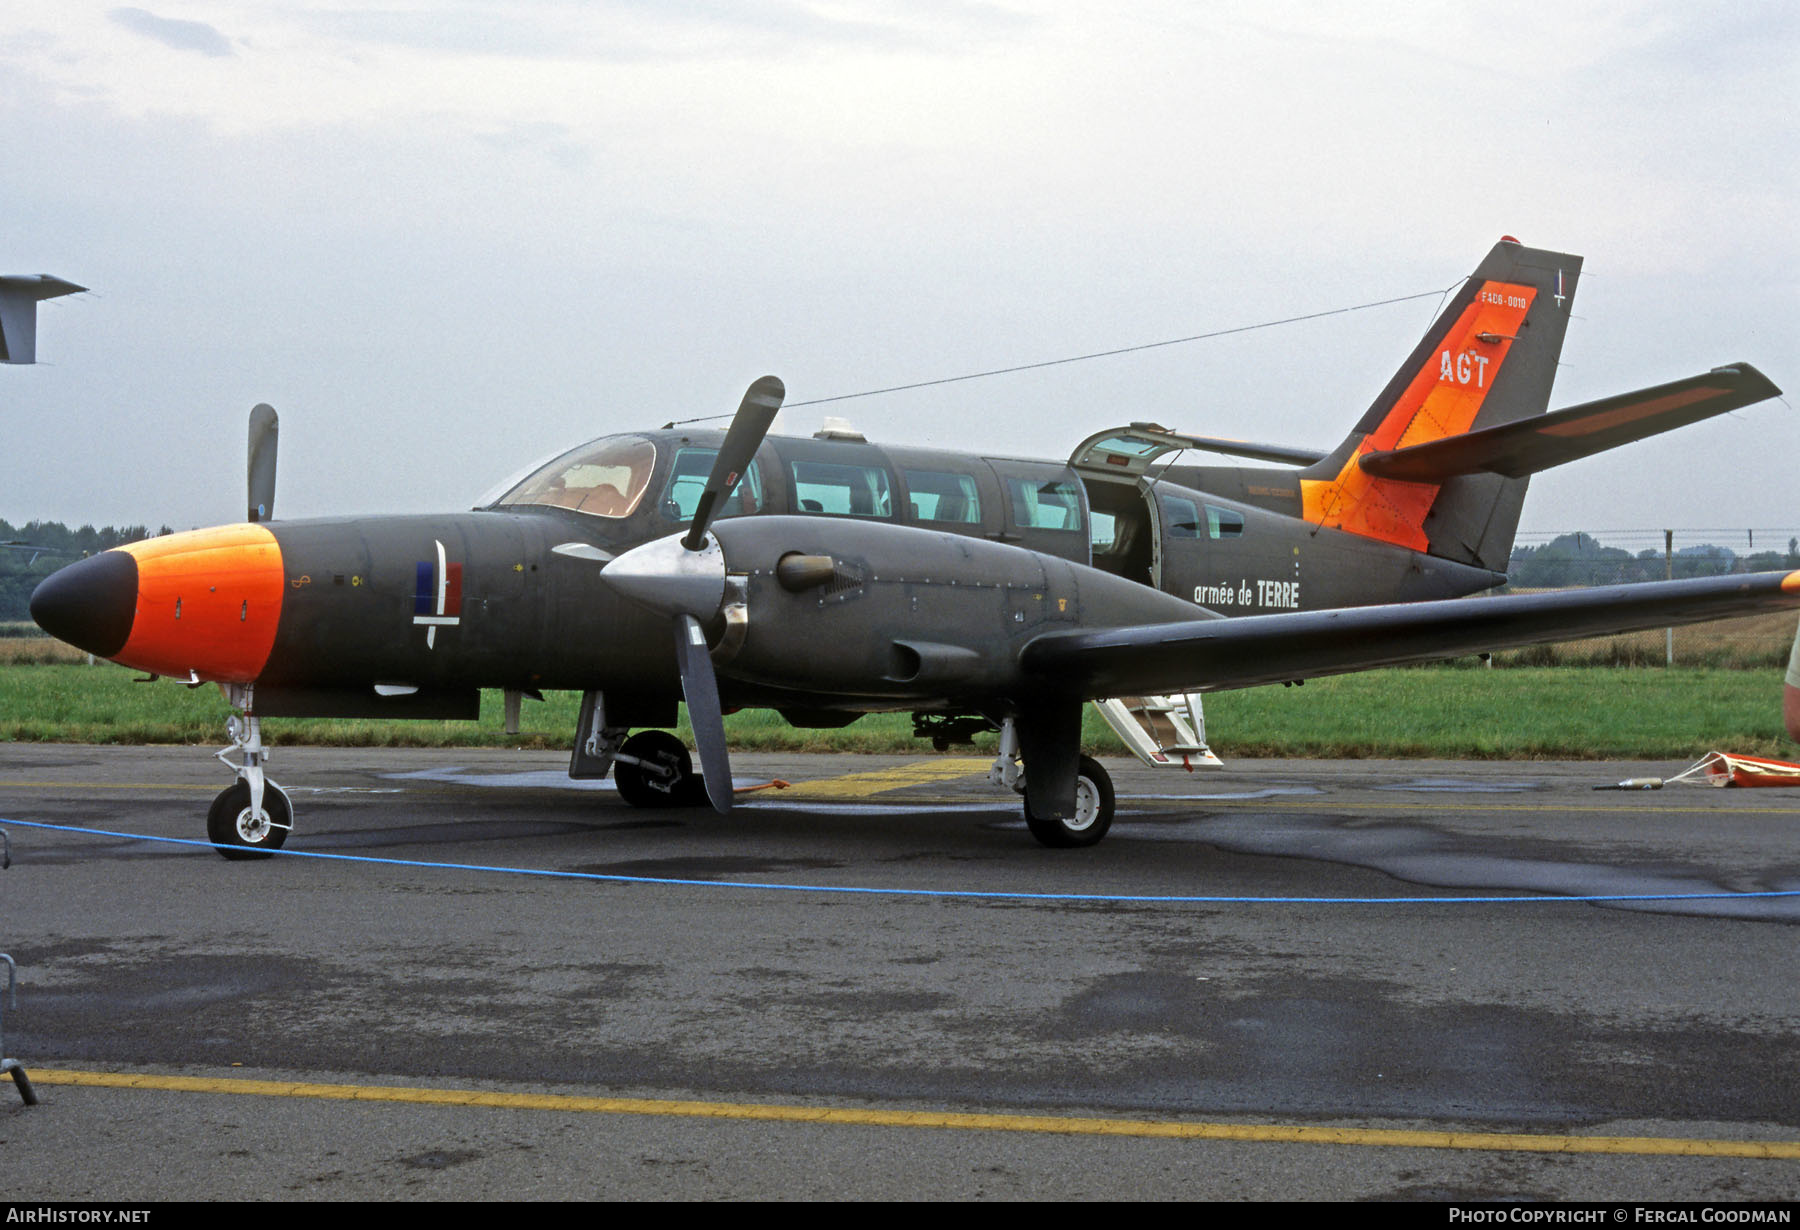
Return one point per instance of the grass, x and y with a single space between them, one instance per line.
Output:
1504 713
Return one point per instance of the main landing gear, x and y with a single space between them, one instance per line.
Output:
1092 815
251 817
653 769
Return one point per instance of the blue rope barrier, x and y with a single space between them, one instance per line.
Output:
966 893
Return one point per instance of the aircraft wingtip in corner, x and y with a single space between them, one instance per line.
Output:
20 293
829 577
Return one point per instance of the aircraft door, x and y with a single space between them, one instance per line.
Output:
1045 508
1180 562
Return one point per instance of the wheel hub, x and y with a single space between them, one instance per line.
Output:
253 826
1087 806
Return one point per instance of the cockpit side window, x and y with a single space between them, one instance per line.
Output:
687 479
604 479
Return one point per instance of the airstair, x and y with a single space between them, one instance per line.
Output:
1162 730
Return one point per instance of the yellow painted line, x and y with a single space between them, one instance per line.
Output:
1448 804
879 781
1275 1133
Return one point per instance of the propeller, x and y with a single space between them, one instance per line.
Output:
685 579
265 425
762 402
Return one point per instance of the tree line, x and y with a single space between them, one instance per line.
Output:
1580 559
38 548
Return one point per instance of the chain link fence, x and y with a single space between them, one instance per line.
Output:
1573 559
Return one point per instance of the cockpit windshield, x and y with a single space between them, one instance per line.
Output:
606 478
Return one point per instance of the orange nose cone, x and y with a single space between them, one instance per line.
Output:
207 603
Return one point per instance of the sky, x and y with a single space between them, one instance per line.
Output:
448 238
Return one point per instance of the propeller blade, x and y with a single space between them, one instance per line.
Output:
264 427
701 688
748 427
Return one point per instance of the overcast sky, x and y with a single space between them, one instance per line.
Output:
446 239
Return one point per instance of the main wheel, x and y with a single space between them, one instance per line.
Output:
237 832
1093 811
664 778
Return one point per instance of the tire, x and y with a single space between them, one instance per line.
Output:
237 835
1093 811
671 788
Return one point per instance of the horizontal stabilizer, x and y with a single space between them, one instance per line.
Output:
20 293
1209 655
1529 445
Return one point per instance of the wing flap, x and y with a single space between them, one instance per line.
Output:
1212 655
1529 445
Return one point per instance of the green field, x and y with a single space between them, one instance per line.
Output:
1451 712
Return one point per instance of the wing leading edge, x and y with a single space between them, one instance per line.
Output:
1216 654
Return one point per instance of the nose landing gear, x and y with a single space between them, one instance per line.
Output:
251 817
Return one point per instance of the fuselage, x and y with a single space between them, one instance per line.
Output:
432 608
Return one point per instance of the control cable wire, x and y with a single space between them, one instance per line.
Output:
1098 354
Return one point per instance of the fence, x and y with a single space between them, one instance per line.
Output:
1579 559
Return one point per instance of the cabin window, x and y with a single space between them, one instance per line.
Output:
1181 518
938 496
1223 523
606 478
1054 505
687 479
847 490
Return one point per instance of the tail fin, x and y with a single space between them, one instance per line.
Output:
1489 358
19 297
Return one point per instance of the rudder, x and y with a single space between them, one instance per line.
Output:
1490 357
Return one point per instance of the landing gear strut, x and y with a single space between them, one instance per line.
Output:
1093 811
251 817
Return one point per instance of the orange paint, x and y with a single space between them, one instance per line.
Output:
208 602
1441 400
1790 584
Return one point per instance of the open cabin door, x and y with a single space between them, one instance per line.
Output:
1127 535
1114 466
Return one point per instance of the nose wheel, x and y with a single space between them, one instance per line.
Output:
240 830
251 817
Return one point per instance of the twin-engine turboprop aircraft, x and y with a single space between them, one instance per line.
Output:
830 577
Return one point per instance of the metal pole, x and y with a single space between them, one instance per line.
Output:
1669 574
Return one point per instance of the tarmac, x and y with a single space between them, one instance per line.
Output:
1285 979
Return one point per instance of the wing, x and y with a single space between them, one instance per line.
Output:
1210 655
1533 444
